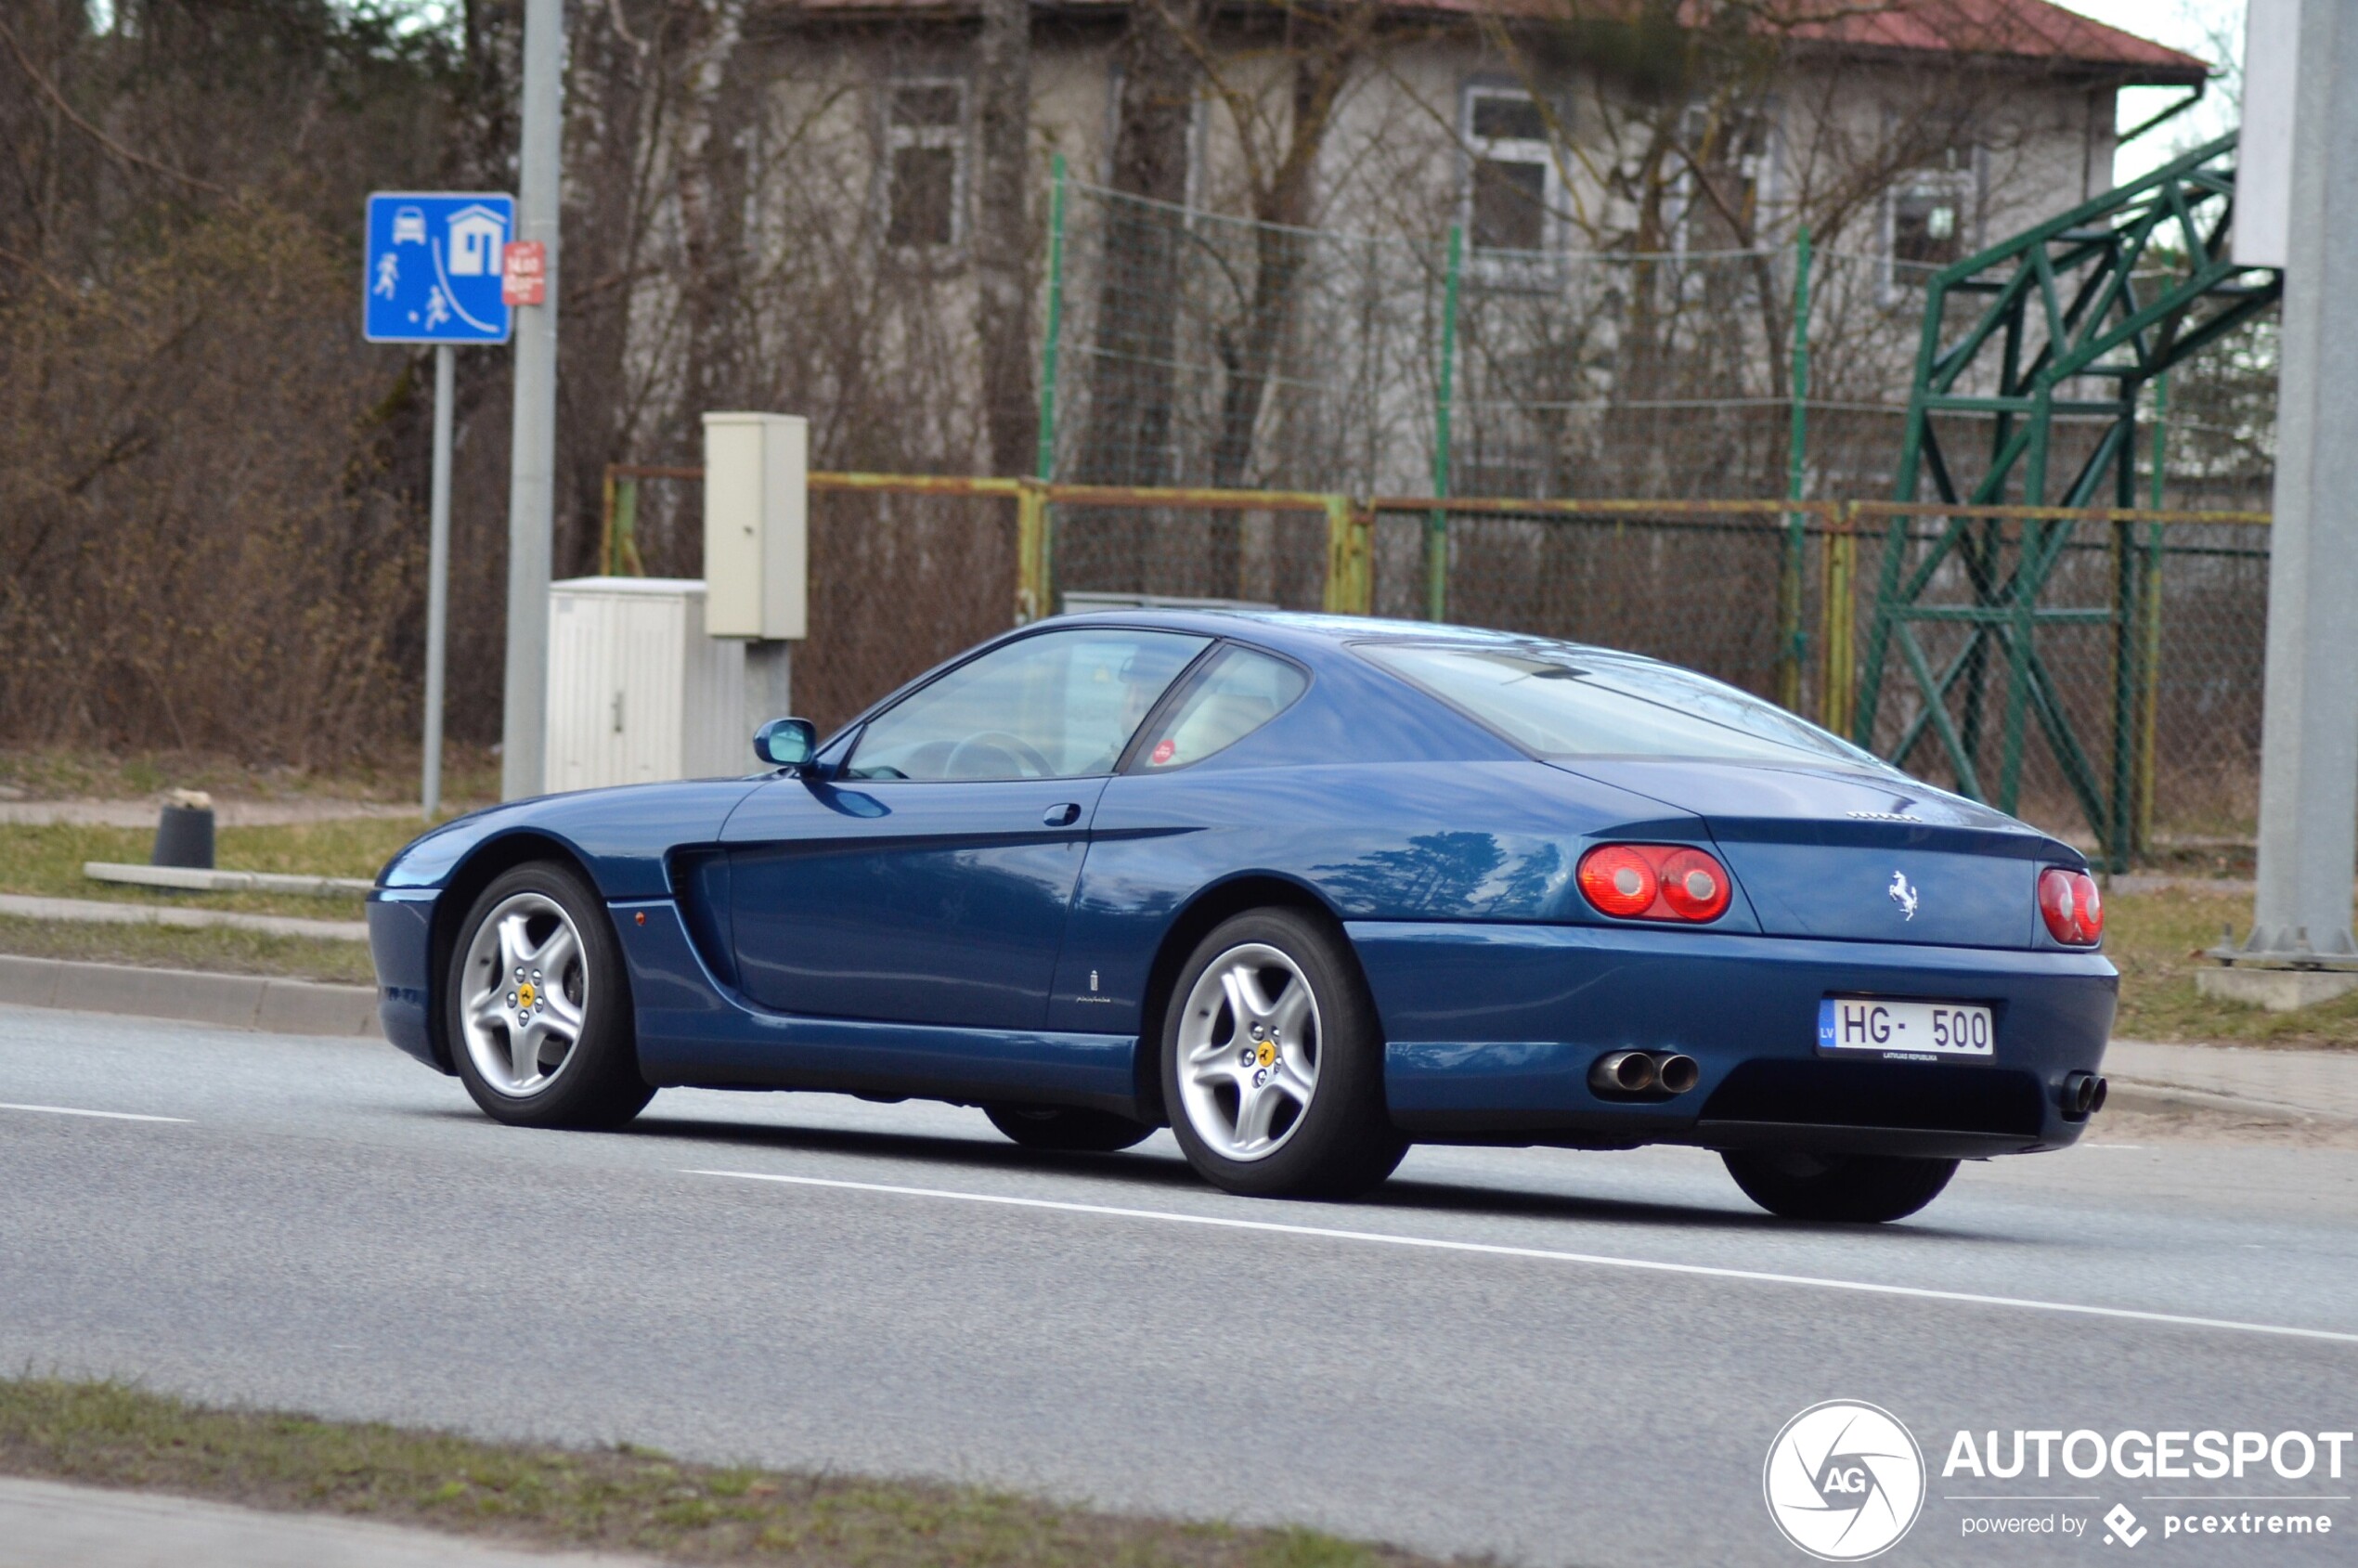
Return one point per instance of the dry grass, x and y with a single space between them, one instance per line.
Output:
219 949
2155 940
618 1498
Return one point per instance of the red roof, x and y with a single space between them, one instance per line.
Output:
2024 30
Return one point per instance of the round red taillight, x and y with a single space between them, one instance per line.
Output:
1655 882
2072 906
1619 880
1693 885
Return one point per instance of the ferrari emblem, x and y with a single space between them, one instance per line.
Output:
1267 1054
524 995
1902 894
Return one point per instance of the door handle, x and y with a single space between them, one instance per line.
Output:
1064 815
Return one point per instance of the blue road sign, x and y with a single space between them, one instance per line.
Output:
434 266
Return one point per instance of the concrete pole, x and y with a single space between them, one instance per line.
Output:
438 577
2309 756
533 461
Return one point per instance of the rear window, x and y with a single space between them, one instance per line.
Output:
1585 702
1236 693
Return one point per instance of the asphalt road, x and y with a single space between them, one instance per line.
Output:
1557 1357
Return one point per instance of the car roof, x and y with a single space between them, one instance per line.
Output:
1304 633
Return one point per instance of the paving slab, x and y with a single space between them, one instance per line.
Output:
45 1523
2315 1084
225 813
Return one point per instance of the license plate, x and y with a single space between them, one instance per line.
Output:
1882 1025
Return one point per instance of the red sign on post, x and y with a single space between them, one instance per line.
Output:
523 272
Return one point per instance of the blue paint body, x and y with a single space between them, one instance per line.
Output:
1005 940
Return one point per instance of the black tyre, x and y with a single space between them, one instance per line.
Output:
1858 1188
1272 1062
1067 1129
536 1006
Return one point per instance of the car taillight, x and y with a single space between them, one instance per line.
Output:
2072 907
1655 882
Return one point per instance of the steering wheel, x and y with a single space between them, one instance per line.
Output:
996 754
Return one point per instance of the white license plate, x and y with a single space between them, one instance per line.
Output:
1882 1025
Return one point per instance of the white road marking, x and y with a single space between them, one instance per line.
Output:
103 1115
1593 1260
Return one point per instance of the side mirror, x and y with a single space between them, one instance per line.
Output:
787 742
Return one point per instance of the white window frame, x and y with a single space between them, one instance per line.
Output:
1962 177
1492 263
1762 173
952 137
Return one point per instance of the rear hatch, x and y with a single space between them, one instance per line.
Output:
1855 855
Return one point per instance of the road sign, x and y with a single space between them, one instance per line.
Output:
434 266
523 276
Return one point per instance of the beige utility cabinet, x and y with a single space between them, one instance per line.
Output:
637 691
757 525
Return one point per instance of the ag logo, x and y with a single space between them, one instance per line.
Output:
1844 1481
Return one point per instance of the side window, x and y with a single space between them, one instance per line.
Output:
1234 696
924 133
1058 706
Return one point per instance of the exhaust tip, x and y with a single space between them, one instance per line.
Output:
1677 1073
2082 1093
2096 1102
1621 1073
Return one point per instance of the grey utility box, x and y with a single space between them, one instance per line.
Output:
637 691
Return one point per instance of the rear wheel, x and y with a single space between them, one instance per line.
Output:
536 1008
1067 1129
1859 1188
1272 1062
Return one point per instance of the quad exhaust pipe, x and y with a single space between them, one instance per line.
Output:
2083 1094
1655 1074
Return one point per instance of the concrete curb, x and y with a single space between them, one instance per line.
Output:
29 906
258 1002
2136 1095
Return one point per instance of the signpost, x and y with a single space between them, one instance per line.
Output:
437 273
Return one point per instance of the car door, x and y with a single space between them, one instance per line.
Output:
927 881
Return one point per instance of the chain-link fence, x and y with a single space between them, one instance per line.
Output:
1216 390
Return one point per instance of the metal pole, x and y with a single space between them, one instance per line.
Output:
437 577
2149 603
1789 598
1035 526
1045 468
2309 728
1437 525
533 456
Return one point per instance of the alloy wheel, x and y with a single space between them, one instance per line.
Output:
1248 1046
524 994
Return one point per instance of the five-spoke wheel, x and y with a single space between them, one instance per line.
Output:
538 1010
1272 1062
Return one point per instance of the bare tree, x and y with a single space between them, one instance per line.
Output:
1002 234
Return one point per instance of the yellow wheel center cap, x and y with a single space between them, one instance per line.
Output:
1267 1054
524 996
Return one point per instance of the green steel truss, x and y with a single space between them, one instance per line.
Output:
2107 297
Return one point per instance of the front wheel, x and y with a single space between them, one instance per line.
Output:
1855 1188
1067 1129
1272 1062
536 1006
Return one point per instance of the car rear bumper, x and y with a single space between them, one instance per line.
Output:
1491 1031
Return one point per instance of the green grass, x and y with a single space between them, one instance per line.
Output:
622 1499
221 949
48 861
2153 938
469 776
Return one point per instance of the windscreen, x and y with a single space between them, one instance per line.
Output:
1585 702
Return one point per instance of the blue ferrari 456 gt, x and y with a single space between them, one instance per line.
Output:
1306 890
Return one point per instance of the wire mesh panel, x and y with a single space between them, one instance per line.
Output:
1697 588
